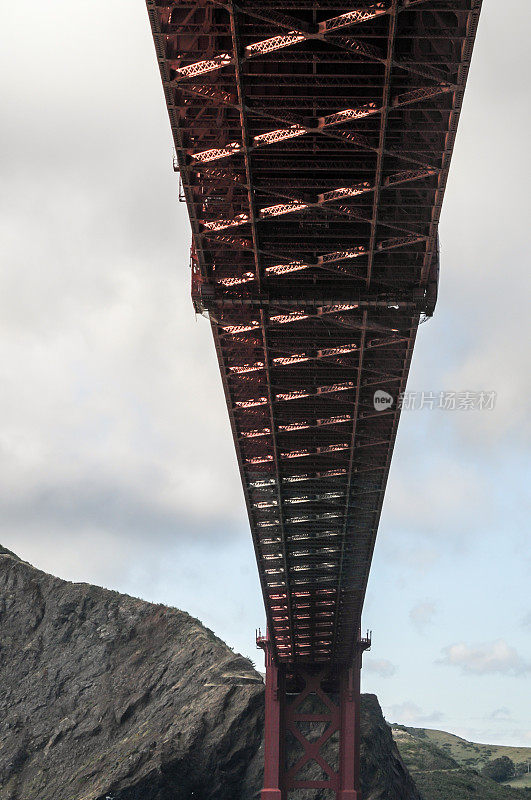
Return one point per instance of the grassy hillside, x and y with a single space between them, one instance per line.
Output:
420 753
446 767
470 754
523 782
464 784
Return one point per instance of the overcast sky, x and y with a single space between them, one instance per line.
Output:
116 462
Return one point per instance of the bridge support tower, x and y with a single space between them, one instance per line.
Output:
312 727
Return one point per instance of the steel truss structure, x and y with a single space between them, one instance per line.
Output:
313 140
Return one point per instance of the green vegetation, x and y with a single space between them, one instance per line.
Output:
499 769
420 753
521 782
446 767
464 784
471 754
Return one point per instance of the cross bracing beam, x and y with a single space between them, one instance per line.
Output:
323 261
299 31
281 41
314 141
297 204
321 124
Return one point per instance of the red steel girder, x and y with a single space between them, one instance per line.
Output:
326 141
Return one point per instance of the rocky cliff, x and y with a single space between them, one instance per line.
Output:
106 697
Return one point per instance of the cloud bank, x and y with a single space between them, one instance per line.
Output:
381 667
422 615
409 713
485 659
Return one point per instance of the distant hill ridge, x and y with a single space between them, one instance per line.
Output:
471 754
447 767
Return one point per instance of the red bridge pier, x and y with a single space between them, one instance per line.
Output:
317 707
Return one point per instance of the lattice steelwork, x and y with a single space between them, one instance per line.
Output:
314 140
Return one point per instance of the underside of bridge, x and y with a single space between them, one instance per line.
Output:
313 140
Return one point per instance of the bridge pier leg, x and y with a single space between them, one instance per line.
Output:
315 708
274 736
349 762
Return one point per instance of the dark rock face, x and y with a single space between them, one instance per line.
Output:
383 774
105 696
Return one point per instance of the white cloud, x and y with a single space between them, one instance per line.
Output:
484 659
113 416
381 667
409 713
422 615
502 714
